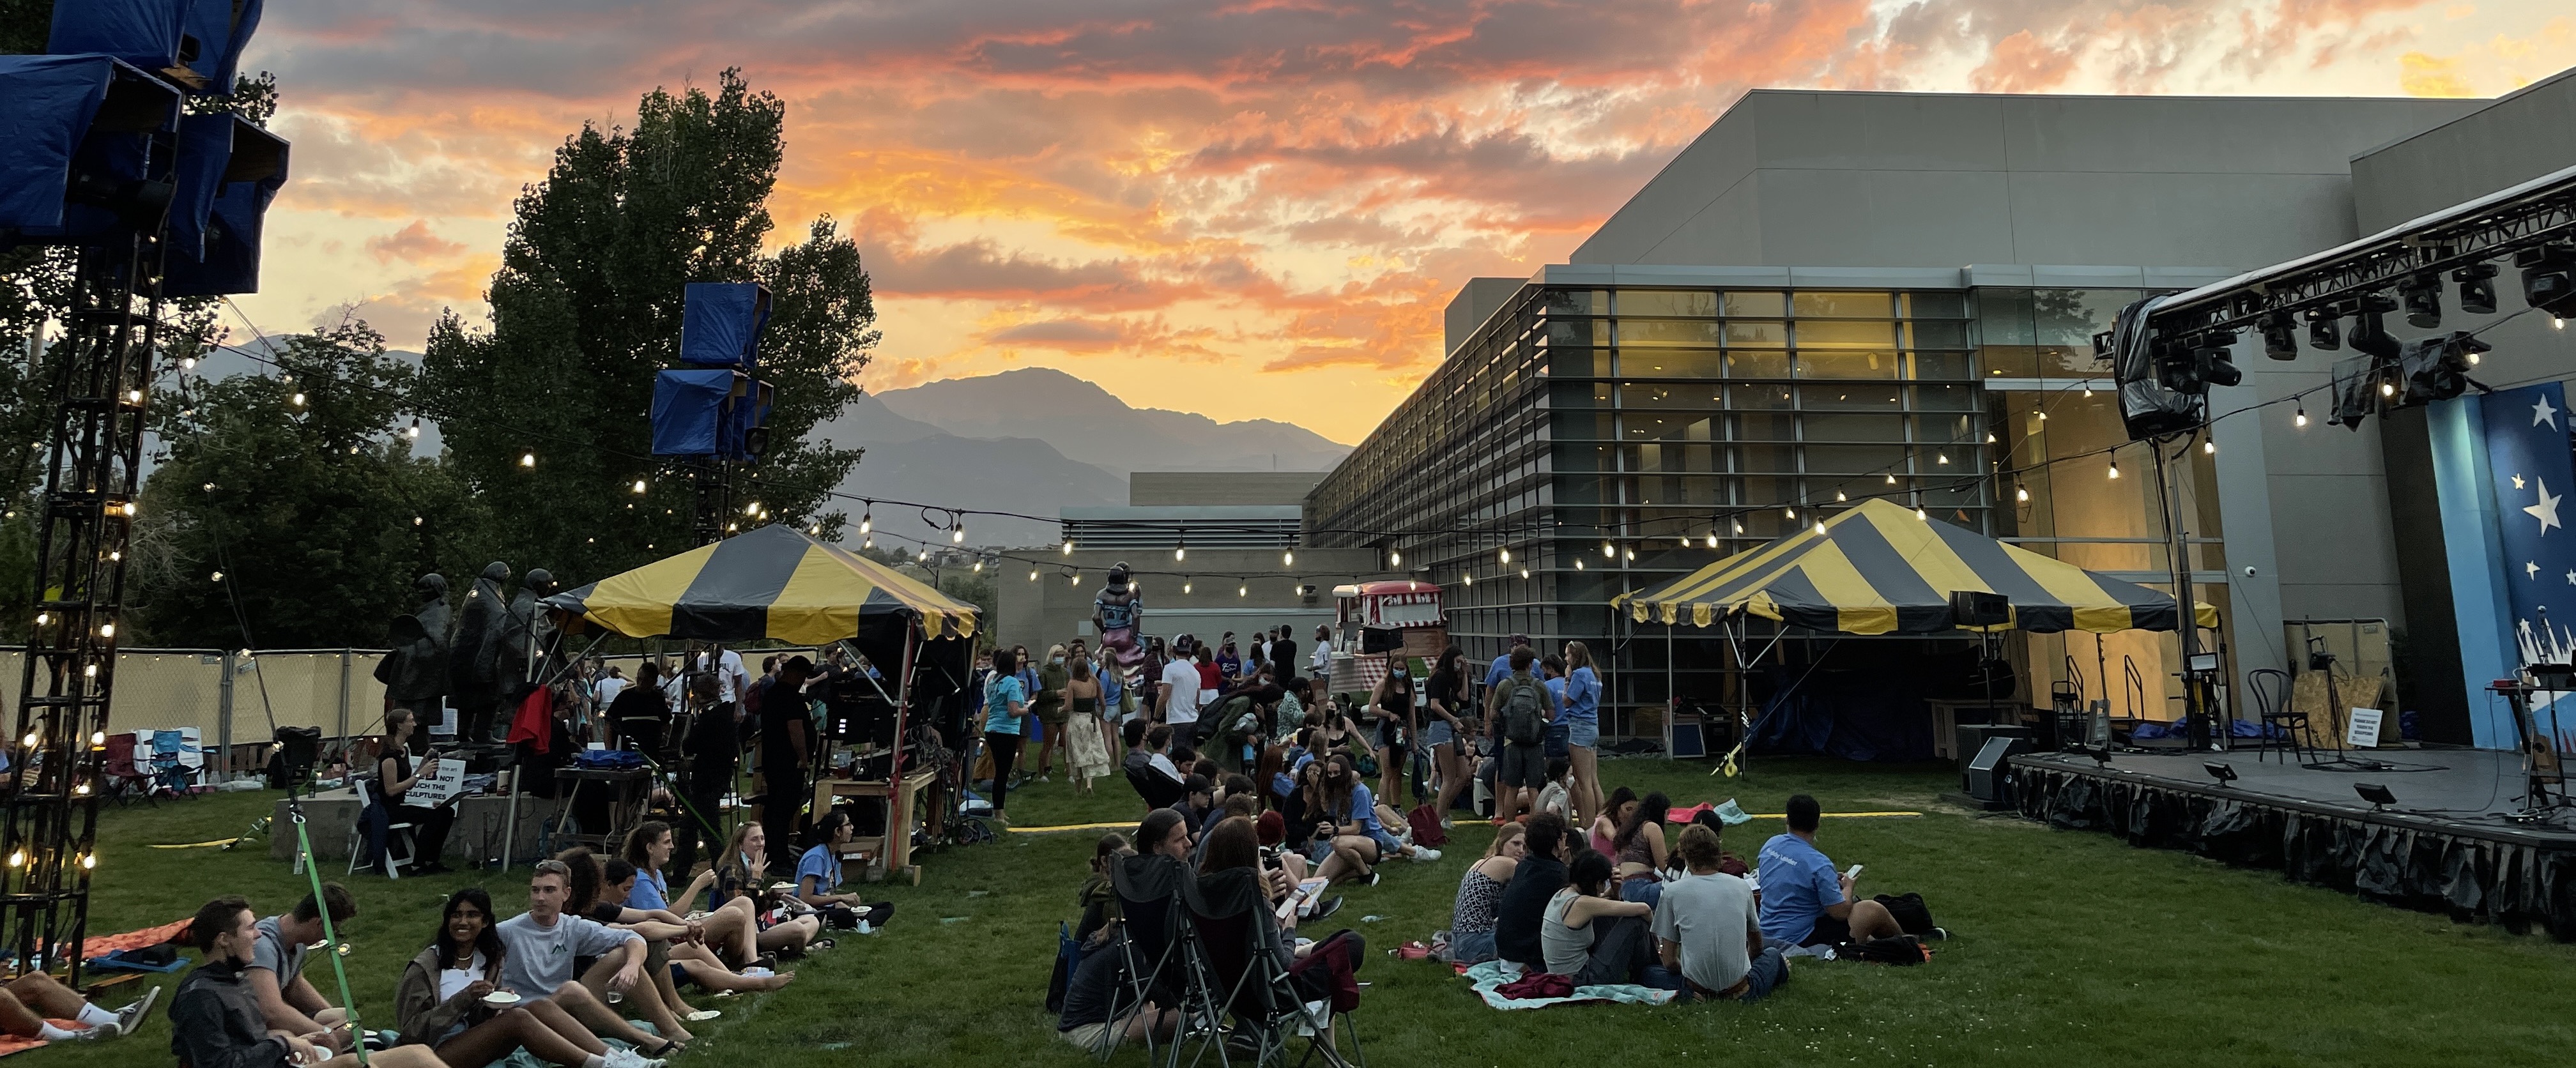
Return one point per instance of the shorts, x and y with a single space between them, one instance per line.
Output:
1522 766
1437 733
1086 1036
1583 733
1829 931
1559 735
1050 713
1471 947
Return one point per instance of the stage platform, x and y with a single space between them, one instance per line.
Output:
2445 846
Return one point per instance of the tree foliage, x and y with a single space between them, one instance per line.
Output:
316 513
586 308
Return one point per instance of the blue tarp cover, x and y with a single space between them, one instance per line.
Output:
720 323
49 102
689 411
221 254
221 32
141 32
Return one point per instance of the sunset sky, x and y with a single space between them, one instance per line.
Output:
1245 209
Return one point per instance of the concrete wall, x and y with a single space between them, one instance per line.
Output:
1157 489
2520 136
1923 179
1474 304
1053 609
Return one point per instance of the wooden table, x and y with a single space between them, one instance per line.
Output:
893 850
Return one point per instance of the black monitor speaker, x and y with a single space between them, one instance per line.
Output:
1978 608
1989 779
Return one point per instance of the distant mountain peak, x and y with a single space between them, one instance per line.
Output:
1089 423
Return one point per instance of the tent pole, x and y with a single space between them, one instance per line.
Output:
2186 601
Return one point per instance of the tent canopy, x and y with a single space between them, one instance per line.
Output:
1877 569
768 582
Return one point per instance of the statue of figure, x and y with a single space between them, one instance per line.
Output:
415 670
527 636
1118 613
474 678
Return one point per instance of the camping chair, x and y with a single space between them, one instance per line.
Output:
375 808
1151 933
1158 789
2271 687
125 781
1234 955
169 770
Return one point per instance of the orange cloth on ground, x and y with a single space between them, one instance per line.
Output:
13 1044
149 936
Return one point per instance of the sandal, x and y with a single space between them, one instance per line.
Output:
820 944
668 1050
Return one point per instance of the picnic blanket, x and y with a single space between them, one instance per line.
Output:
1491 976
13 1044
149 936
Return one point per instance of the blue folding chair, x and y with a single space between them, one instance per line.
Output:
169 771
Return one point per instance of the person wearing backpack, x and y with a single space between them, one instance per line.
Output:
1520 709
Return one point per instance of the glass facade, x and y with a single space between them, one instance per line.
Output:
1607 440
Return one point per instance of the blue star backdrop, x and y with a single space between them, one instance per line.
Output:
2527 444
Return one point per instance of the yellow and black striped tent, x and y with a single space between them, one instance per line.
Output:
1877 569
768 582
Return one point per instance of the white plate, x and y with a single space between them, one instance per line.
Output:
500 997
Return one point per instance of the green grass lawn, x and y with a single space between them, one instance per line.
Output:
2068 948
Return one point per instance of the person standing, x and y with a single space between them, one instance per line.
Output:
1005 711
1319 664
1582 719
786 746
1449 726
1086 748
1180 693
1283 656
1518 709
1391 722
1046 702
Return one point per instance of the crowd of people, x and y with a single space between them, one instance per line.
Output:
592 974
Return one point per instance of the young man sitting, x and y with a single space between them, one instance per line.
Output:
1805 902
287 1001
1540 874
543 943
1707 930
30 1003
216 1020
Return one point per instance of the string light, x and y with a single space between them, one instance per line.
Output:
2209 448
1469 577
867 519
1789 512
1712 539
1068 546
1506 554
751 509
414 432
1185 584
1288 558
1578 563
2301 419
1739 528
297 400
1180 551
1244 590
43 618
1839 498
1074 579
1395 558
1891 480
107 630
2021 492
957 532
1919 513
219 576
1033 574
1820 525
639 485
1943 458
1524 572
1609 551
2115 470
979 565
528 458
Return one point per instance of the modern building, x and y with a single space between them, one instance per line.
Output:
1834 295
1215 551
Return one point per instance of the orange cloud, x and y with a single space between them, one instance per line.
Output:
413 244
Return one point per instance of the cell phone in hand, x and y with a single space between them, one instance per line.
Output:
1853 873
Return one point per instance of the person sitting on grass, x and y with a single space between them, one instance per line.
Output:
1555 797
818 875
1352 826
1480 896
539 949
590 896
215 1019
1706 929
743 876
1638 850
730 927
689 961
33 1001
1536 879
1592 937
1615 812
286 999
440 1001
1805 902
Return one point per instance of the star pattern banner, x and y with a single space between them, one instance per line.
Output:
2534 471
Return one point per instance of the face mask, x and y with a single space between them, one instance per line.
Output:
1058 661
1398 673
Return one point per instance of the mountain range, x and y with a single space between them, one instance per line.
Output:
1037 440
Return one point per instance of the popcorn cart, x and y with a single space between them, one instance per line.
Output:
1373 619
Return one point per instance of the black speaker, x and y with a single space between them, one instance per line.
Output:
1977 608
1988 779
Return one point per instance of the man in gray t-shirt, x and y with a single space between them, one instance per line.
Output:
540 945
1709 930
287 1000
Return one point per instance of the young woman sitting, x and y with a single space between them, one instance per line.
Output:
1638 850
694 962
1593 937
1352 826
743 876
441 1004
1480 897
729 928
1605 826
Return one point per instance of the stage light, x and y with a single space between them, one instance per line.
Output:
2219 770
2422 296
2325 333
2477 288
2377 795
2549 279
2437 368
2280 337
2115 470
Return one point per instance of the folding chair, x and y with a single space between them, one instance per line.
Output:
169 771
1158 789
362 844
1234 957
124 780
1152 930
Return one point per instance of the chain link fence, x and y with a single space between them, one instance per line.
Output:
234 698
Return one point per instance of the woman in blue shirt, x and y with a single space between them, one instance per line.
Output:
1350 831
1582 717
1006 703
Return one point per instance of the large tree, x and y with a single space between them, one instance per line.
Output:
300 489
586 307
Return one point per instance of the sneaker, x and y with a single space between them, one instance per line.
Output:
1940 934
1425 854
620 1057
1447 824
1325 908
130 1018
1371 880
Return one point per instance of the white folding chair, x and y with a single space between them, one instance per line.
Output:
398 845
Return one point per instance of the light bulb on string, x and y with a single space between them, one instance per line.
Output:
1942 458
296 400
1919 513
1180 552
1068 546
1467 578
1839 497
2301 419
2115 469
1244 590
1033 574
2021 493
1185 584
528 458
639 485
1630 554
957 533
414 431
1739 528
1791 513
1395 558
1288 558
1891 480
1820 525
1609 551
1505 554
1712 539
979 565
867 519
1578 563
2209 448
